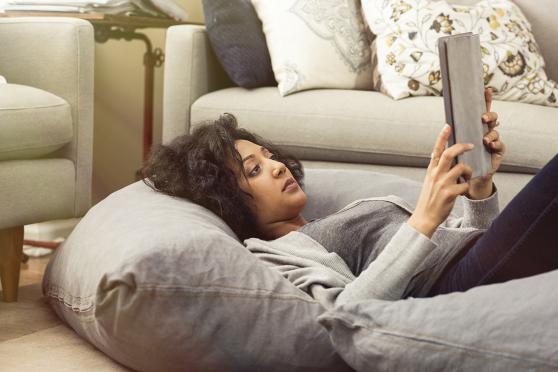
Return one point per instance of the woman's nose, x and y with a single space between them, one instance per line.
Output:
278 169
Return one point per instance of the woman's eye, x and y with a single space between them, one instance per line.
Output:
254 171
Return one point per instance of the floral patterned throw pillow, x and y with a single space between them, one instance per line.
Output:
316 44
405 52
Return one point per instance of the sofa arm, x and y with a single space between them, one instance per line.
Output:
57 55
191 70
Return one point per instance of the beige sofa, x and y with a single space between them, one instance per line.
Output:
349 128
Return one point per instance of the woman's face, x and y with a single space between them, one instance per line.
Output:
265 180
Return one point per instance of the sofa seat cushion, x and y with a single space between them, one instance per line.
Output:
369 127
33 122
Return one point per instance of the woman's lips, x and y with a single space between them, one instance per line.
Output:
290 184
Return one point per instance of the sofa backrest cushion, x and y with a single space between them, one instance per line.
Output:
405 53
544 27
316 44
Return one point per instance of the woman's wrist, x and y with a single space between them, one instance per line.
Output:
422 226
480 189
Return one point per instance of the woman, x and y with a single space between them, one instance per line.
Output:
392 250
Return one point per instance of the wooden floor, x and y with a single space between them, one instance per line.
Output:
34 338
32 271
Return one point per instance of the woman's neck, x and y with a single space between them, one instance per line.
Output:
278 229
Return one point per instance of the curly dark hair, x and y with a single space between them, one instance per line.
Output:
194 166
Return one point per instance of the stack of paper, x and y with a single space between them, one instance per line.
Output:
150 8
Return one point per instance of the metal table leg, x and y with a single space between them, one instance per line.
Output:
152 58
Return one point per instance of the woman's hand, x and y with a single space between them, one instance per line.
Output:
440 187
481 187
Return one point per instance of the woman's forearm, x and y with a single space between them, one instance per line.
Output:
387 277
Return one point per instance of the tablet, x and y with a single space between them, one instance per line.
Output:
464 102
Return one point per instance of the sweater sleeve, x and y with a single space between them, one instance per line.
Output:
387 277
477 214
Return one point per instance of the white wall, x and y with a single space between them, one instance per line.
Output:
119 86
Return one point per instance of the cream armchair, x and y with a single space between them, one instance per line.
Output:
46 129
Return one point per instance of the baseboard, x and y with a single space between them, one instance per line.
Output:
49 231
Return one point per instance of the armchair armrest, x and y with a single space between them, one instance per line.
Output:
191 70
56 54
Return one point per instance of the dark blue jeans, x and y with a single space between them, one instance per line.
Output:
522 241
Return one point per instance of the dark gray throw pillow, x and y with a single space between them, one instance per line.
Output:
236 36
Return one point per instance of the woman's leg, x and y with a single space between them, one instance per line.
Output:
522 241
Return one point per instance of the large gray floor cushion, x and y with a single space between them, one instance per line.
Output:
161 284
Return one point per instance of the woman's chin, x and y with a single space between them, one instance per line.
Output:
298 200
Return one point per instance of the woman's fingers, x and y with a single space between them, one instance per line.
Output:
460 169
497 146
440 145
490 137
458 189
493 124
488 98
449 154
489 117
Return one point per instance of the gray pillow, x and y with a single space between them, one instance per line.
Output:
237 38
329 190
500 327
159 283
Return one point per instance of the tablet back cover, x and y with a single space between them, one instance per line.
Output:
464 103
